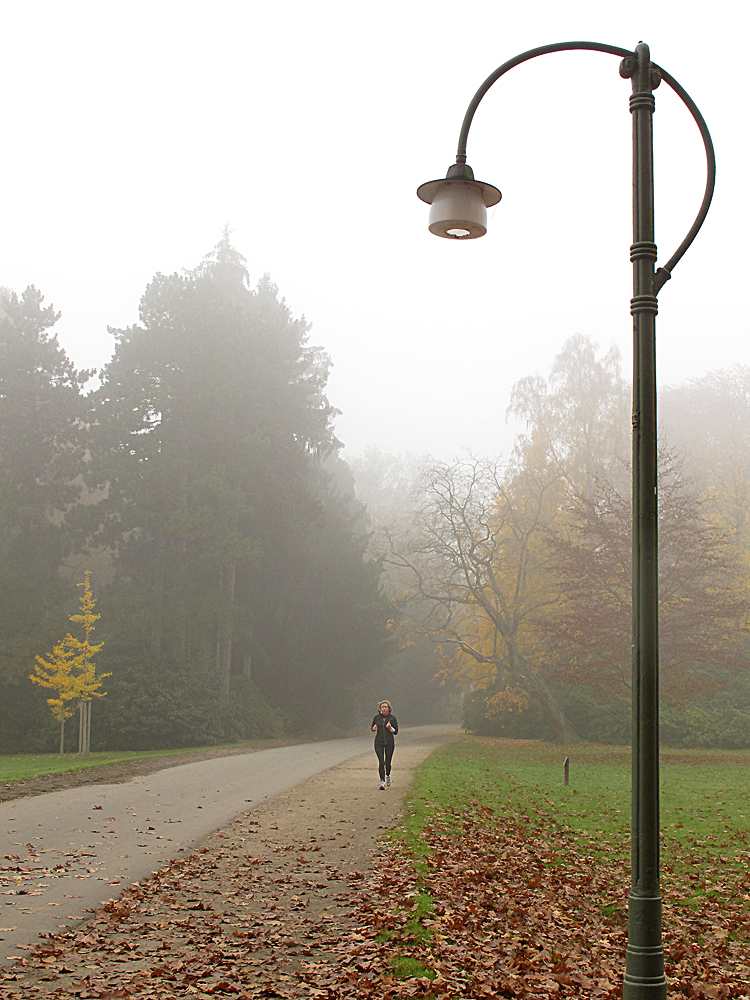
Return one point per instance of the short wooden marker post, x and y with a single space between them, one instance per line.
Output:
566 770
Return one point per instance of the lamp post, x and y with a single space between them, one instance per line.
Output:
458 210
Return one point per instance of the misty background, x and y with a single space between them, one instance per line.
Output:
139 130
301 405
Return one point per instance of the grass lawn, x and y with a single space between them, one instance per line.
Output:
506 854
705 794
19 767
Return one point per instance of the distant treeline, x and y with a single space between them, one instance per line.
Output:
516 575
201 485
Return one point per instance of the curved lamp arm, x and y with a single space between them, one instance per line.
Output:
687 100
663 274
541 50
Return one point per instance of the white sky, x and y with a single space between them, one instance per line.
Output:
132 132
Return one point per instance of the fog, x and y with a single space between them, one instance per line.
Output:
135 131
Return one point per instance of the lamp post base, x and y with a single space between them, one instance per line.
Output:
644 968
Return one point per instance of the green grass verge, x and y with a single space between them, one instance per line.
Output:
19 767
705 794
412 933
406 968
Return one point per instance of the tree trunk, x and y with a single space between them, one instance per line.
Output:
84 727
225 648
218 627
247 660
62 736
564 732
180 581
158 623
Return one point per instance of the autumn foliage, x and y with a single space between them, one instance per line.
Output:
703 613
520 571
70 672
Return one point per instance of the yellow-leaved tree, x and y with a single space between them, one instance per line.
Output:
71 672
477 568
56 673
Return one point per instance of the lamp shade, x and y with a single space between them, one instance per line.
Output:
458 204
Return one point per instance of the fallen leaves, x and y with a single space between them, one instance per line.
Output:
481 904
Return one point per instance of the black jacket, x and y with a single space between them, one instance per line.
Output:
384 736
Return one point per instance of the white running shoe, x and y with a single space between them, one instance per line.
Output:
382 785
388 780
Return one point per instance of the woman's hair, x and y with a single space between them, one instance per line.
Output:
385 702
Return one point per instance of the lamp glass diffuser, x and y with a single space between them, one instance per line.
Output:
458 211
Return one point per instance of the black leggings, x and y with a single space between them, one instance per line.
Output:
385 754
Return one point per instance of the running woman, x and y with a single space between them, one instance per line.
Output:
385 727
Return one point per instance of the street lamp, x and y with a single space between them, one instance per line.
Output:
459 211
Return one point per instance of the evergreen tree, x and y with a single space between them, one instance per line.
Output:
42 440
211 438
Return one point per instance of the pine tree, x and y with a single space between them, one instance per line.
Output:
42 446
212 436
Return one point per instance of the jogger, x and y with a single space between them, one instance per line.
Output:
385 727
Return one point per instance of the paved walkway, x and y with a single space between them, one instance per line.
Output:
262 904
67 852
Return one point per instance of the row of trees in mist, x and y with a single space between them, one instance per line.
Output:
200 483
519 573
245 590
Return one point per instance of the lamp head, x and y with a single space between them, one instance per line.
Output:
458 203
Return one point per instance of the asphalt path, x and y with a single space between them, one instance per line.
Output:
65 853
